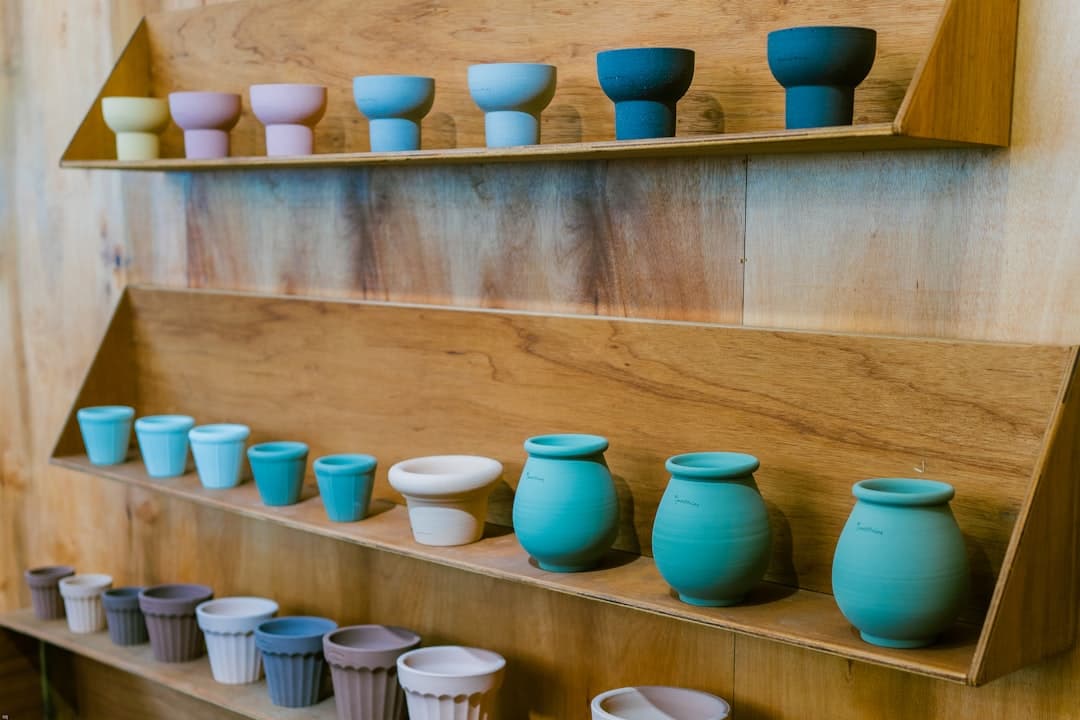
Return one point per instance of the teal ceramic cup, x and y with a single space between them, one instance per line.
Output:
106 432
278 468
163 443
711 537
566 510
345 484
900 571
219 453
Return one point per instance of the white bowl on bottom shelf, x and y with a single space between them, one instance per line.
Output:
450 682
657 702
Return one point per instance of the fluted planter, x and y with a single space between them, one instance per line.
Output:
127 626
228 625
363 664
219 453
292 651
345 485
106 432
82 601
44 584
170 620
163 444
278 469
451 682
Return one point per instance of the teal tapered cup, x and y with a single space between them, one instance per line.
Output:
278 469
106 432
163 443
345 484
219 453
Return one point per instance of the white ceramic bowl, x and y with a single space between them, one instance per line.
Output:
657 702
447 496
449 682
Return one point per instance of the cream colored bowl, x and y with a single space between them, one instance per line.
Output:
136 122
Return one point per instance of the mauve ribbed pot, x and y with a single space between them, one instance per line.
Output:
363 664
127 626
292 652
170 620
44 584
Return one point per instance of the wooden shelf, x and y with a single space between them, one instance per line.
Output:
190 678
775 612
943 75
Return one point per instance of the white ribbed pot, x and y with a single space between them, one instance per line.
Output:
229 627
447 496
82 601
450 682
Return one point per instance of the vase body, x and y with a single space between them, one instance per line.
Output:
900 571
711 537
645 84
566 511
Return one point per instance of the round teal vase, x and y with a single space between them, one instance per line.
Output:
711 536
566 511
900 572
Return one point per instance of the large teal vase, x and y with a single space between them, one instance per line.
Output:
900 572
711 537
566 511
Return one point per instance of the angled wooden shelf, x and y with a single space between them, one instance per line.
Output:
821 411
943 75
190 678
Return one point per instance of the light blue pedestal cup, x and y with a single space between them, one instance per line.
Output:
278 468
345 484
394 106
512 96
219 453
106 432
163 443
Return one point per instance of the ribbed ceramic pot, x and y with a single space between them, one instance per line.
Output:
820 67
512 96
127 626
345 485
289 111
566 510
163 443
82 601
106 432
657 702
278 469
451 682
645 84
447 496
219 453
363 664
394 106
44 584
900 572
711 536
292 651
206 119
136 122
170 620
228 625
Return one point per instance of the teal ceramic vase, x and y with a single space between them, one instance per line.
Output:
900 572
278 469
566 511
106 432
711 537
163 444
345 484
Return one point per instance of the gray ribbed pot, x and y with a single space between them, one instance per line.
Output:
292 652
170 620
363 664
44 584
127 626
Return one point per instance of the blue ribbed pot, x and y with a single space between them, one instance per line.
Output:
292 653
345 484
163 443
127 626
106 432
711 537
645 84
900 572
566 511
278 469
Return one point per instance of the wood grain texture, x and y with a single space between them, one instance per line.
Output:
20 680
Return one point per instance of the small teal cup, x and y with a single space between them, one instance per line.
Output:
106 432
219 453
163 443
394 106
278 468
345 484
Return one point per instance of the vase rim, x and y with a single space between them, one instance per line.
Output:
566 445
907 492
712 465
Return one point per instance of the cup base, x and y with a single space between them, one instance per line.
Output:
710 602
394 135
815 106
511 128
643 119
289 140
898 644
137 146
206 144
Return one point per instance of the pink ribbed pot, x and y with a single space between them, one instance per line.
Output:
44 584
170 620
363 664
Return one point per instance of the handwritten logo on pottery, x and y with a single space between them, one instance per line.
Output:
866 528
684 501
530 476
